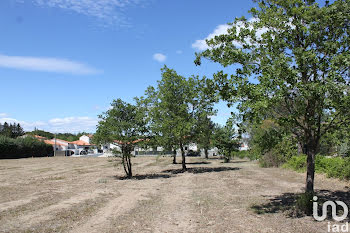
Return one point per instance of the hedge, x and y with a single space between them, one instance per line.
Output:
23 148
336 167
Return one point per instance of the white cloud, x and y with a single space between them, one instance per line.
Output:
2 114
59 125
73 124
109 11
222 30
159 57
46 64
219 30
179 51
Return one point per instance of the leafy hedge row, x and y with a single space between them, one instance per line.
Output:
23 148
333 167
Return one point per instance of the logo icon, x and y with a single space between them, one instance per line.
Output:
333 206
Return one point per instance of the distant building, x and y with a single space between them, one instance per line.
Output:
243 147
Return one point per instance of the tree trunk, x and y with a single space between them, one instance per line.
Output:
174 156
127 161
129 166
310 174
183 158
311 150
124 164
206 153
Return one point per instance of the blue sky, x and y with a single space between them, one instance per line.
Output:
62 62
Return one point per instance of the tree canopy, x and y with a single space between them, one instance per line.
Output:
124 125
293 54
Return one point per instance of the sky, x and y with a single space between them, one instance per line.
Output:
62 62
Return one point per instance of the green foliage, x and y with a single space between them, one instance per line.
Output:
293 63
125 125
297 163
170 114
280 153
242 154
23 148
270 143
226 140
335 167
178 111
11 130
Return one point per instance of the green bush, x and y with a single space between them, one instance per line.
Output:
250 154
241 154
297 163
23 148
336 167
280 153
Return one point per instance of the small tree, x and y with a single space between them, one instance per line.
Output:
125 125
226 140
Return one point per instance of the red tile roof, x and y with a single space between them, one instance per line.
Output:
40 137
81 143
50 142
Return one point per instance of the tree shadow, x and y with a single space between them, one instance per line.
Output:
143 177
197 170
287 203
198 163
239 161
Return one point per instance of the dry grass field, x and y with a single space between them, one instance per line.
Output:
89 195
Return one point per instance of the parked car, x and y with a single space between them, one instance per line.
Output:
193 153
83 152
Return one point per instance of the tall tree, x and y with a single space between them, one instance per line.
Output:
171 108
11 130
294 53
204 100
125 125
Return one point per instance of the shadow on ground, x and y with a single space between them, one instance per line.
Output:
196 170
198 163
143 177
288 203
239 161
161 175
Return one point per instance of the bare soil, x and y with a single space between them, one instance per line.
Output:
90 195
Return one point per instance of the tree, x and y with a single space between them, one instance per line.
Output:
292 53
125 125
204 132
204 109
226 140
171 110
11 130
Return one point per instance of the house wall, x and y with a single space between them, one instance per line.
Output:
109 146
85 139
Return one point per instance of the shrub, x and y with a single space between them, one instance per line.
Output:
297 163
23 148
242 154
280 153
333 167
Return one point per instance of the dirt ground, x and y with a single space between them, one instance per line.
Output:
90 195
